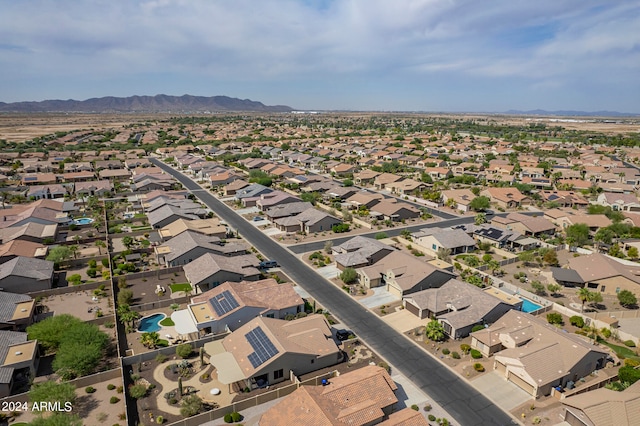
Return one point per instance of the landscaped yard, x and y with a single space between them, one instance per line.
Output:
167 322
621 351
180 287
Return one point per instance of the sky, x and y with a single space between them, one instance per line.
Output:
377 55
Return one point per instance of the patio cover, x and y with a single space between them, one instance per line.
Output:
183 322
228 369
526 241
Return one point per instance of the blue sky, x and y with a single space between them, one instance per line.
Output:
411 55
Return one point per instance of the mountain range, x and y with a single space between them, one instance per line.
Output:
140 104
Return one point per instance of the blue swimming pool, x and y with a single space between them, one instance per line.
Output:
529 306
83 221
151 323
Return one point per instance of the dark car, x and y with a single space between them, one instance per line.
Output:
266 264
258 218
343 334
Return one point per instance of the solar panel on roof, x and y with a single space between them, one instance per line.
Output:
263 349
30 178
224 303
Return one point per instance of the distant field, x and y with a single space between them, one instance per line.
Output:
22 127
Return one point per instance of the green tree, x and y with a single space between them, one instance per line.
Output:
59 254
150 340
537 287
57 419
191 405
381 236
627 299
50 331
554 318
577 235
615 251
349 276
184 350
126 315
127 241
100 244
347 182
584 295
632 252
554 288
480 218
480 203
52 391
125 296
526 257
434 331
604 236
550 257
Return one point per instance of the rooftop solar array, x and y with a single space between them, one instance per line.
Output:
224 303
262 346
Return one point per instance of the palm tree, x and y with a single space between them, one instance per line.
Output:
126 315
444 254
100 244
584 295
150 340
434 331
74 250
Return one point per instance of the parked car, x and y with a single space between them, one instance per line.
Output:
343 334
266 264
258 218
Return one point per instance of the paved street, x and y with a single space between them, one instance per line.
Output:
461 400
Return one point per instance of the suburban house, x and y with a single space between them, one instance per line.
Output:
365 177
534 226
603 407
275 198
235 186
363 199
26 275
17 248
253 191
458 199
402 274
45 212
232 304
288 209
619 202
359 252
395 211
210 270
535 355
309 221
19 360
16 311
453 241
406 187
362 397
190 245
210 227
163 216
34 232
598 272
96 187
38 192
458 306
267 351
382 180
508 197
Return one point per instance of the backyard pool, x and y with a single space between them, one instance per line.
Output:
151 323
83 221
529 306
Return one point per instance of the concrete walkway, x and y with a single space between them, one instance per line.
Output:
403 320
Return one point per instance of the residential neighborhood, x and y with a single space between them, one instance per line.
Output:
215 263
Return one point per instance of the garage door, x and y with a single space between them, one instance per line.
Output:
502 369
413 309
522 384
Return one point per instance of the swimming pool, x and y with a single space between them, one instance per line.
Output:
83 221
151 323
529 306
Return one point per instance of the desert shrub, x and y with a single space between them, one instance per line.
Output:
465 348
184 350
159 420
385 366
431 417
236 417
111 386
476 354
455 355
415 407
427 407
114 400
89 389
92 263
160 358
478 367
446 351
577 320
606 333
227 418
138 391
119 389
554 318
630 343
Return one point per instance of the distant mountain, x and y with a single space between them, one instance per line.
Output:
158 103
572 113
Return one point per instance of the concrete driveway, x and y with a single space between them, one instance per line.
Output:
380 297
247 210
502 392
403 320
329 272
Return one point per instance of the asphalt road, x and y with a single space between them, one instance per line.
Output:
455 395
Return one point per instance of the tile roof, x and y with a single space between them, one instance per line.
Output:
209 263
27 267
8 338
